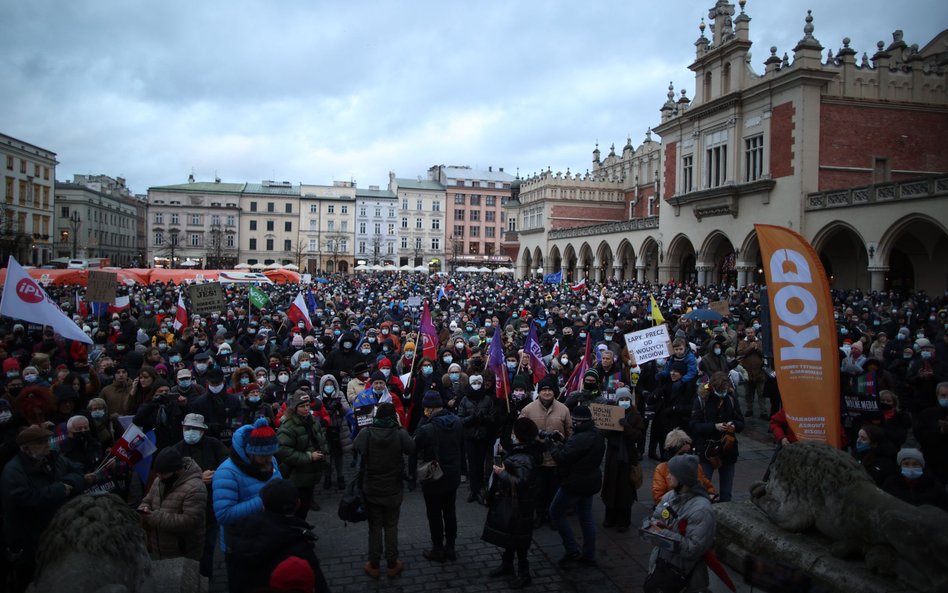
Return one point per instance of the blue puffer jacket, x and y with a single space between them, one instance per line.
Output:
237 493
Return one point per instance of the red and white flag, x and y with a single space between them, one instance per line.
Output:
581 285
24 299
180 315
133 446
121 303
556 350
298 312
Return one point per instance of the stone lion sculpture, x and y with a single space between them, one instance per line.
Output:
813 485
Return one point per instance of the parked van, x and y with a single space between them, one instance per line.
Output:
84 264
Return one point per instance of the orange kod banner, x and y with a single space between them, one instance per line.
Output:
806 357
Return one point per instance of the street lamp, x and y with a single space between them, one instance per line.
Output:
173 237
74 221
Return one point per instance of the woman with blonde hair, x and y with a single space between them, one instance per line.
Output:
676 443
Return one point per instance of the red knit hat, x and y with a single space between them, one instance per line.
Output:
10 364
385 363
250 387
293 574
263 440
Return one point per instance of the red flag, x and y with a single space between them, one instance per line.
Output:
532 347
575 380
429 335
298 312
133 446
495 362
180 315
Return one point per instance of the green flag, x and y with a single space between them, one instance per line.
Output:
258 298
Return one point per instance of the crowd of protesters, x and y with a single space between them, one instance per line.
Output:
251 411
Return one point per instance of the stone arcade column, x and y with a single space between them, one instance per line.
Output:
877 277
617 271
665 272
702 272
743 271
640 273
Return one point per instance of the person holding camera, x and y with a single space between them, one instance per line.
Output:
716 419
551 417
578 459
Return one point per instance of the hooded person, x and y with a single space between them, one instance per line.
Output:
343 358
237 483
335 407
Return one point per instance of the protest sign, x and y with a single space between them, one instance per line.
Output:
607 417
100 287
414 301
720 307
648 344
364 415
206 298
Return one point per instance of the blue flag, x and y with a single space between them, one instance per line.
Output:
556 278
310 302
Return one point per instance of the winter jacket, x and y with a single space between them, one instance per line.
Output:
440 437
520 479
622 453
933 441
476 412
208 454
706 414
660 485
382 449
299 437
221 412
236 486
924 490
336 408
690 361
175 526
268 540
691 523
32 492
578 459
554 418
164 417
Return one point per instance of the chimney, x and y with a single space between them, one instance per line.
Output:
490 169
501 169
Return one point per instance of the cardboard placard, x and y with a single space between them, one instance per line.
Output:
649 344
606 417
364 415
720 307
306 278
206 298
100 287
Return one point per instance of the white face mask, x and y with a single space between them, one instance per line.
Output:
283 378
564 360
192 437
215 388
386 372
5 416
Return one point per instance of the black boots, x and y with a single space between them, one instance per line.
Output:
503 570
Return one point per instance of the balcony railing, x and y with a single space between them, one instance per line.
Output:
913 189
636 224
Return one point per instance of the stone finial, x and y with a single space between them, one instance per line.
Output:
865 60
785 62
829 57
846 53
742 4
808 41
846 42
671 91
648 135
701 27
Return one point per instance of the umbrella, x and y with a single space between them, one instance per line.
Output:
293 267
274 266
503 271
257 266
242 267
322 280
375 268
189 263
407 268
703 315
361 268
483 270
421 268
390 268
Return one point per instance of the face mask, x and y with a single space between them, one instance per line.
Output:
519 394
720 393
31 378
426 371
862 447
608 337
448 359
175 359
454 377
96 414
301 325
305 365
582 335
373 340
943 402
906 356
283 378
385 332
215 388
900 337
192 437
5 416
386 349
200 367
912 473
254 399
184 383
13 374
38 457
717 352
251 331
876 323
459 345
846 350
564 360
261 380
202 343
347 345
338 332
511 365
378 391
245 381
162 346
329 390
926 354
625 404
843 331
366 351
410 354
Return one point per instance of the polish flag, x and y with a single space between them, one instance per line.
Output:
581 285
121 303
556 350
297 312
180 315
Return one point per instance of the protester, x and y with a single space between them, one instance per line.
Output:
622 473
914 485
551 418
715 421
173 510
304 452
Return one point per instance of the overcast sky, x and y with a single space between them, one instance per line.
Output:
309 91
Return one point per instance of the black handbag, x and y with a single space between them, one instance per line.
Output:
666 578
503 516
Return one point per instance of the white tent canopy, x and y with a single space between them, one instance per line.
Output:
189 263
257 266
242 267
292 267
482 270
407 268
375 268
421 268
390 268
274 266
361 268
503 271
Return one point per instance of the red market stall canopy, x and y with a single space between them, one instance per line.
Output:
282 276
81 277
133 276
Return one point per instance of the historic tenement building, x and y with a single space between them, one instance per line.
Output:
26 220
847 147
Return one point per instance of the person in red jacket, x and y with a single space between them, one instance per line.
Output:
780 428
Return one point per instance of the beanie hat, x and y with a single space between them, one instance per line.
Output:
10 364
168 460
591 373
910 454
32 434
298 398
297 341
521 382
684 468
385 363
549 382
378 376
582 413
262 440
432 399
385 410
215 375
409 346
279 496
623 392
679 367
293 574
525 430
250 387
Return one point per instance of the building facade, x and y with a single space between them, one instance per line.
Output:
194 224
270 224
848 151
26 225
327 221
422 221
376 222
97 216
474 213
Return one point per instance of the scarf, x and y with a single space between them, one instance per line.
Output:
389 422
251 469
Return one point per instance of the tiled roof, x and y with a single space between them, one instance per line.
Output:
419 184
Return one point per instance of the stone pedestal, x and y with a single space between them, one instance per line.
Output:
742 530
